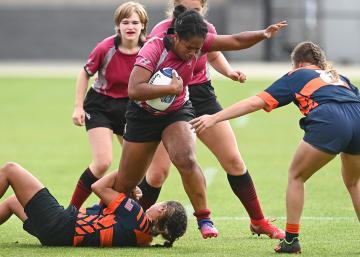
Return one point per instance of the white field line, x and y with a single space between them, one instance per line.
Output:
71 68
210 174
316 218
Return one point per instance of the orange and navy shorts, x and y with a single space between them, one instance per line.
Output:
49 221
333 128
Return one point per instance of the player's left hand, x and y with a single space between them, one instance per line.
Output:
274 28
237 75
136 193
201 123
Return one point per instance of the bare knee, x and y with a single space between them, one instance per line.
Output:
234 165
185 162
99 167
10 166
157 176
296 177
352 184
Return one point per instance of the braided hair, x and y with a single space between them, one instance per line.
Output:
188 23
172 225
312 53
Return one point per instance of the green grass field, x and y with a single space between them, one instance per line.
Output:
36 130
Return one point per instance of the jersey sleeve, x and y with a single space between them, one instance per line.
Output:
208 42
160 29
277 95
124 206
149 54
211 28
94 61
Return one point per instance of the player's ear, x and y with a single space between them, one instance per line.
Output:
176 38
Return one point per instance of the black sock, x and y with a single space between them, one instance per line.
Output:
150 194
290 236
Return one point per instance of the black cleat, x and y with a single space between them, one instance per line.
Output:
288 247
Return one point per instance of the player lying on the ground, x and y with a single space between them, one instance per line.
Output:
122 223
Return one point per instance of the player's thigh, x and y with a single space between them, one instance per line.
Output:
24 184
135 160
221 141
179 140
307 160
101 143
350 168
120 139
160 164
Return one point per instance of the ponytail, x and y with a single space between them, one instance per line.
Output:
312 53
188 23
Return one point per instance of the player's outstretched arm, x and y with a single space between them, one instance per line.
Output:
245 39
221 65
241 108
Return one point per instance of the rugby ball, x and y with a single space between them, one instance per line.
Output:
160 78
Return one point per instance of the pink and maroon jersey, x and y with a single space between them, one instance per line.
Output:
154 55
113 68
201 72
122 223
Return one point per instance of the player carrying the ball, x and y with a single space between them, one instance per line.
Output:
179 49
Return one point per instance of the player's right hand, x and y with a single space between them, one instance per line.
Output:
78 116
136 193
176 84
270 31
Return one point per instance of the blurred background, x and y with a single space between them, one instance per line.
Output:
67 30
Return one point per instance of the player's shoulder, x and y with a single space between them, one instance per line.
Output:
164 24
153 43
302 74
210 26
106 43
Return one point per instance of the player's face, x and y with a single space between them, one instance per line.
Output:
156 211
192 5
187 49
130 28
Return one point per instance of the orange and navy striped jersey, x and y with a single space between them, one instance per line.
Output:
122 223
308 87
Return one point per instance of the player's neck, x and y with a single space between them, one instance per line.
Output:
129 47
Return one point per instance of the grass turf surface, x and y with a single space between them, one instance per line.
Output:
36 130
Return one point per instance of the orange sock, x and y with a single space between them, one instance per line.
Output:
293 228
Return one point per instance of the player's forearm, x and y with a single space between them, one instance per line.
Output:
249 38
219 63
145 91
103 188
241 108
81 88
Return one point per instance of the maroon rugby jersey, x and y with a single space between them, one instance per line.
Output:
113 68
